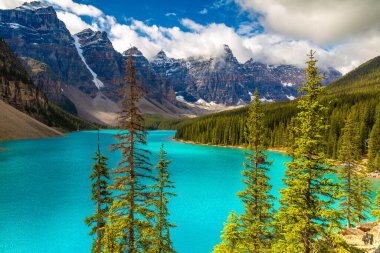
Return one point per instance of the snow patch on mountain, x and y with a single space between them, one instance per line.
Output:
287 84
264 99
32 6
180 99
290 97
99 84
251 95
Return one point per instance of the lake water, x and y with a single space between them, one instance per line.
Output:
45 191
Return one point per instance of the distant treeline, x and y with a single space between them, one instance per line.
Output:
357 92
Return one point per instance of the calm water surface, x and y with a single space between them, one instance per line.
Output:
45 191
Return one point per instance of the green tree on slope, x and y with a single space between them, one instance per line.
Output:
130 216
374 146
258 202
161 192
306 216
231 236
101 197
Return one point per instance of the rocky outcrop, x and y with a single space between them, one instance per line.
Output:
60 63
34 31
16 87
226 81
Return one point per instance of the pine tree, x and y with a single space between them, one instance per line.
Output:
348 154
258 202
361 197
374 146
376 205
231 236
306 213
130 207
161 192
102 198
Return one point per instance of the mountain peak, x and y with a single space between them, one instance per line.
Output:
227 49
35 5
86 31
133 51
161 54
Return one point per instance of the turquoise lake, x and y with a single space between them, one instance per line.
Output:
45 191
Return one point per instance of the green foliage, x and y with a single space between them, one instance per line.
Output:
357 92
157 122
102 198
130 217
306 214
161 192
376 205
59 118
374 146
231 236
361 197
348 154
258 202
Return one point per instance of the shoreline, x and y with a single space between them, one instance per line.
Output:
278 150
370 175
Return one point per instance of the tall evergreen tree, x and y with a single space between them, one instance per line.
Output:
349 153
374 146
161 192
130 208
258 202
231 236
306 213
361 197
376 206
101 197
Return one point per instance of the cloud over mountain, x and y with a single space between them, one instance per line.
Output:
344 33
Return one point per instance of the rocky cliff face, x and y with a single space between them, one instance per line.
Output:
62 64
103 60
34 31
16 87
18 90
226 81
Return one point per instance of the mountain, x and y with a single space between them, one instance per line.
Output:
223 80
357 92
26 105
83 73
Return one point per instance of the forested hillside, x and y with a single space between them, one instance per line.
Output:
18 90
357 92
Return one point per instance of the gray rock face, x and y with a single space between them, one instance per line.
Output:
54 60
34 31
224 80
102 58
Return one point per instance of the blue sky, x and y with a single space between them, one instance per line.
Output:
344 33
168 13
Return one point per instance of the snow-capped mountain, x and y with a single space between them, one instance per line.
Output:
86 65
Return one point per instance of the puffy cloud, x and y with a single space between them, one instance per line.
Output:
279 43
79 9
73 22
322 21
170 14
204 11
188 23
11 4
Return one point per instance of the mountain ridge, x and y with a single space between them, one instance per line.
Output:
88 63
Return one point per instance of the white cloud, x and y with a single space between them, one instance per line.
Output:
322 21
188 23
204 11
11 4
79 9
170 14
73 22
276 45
